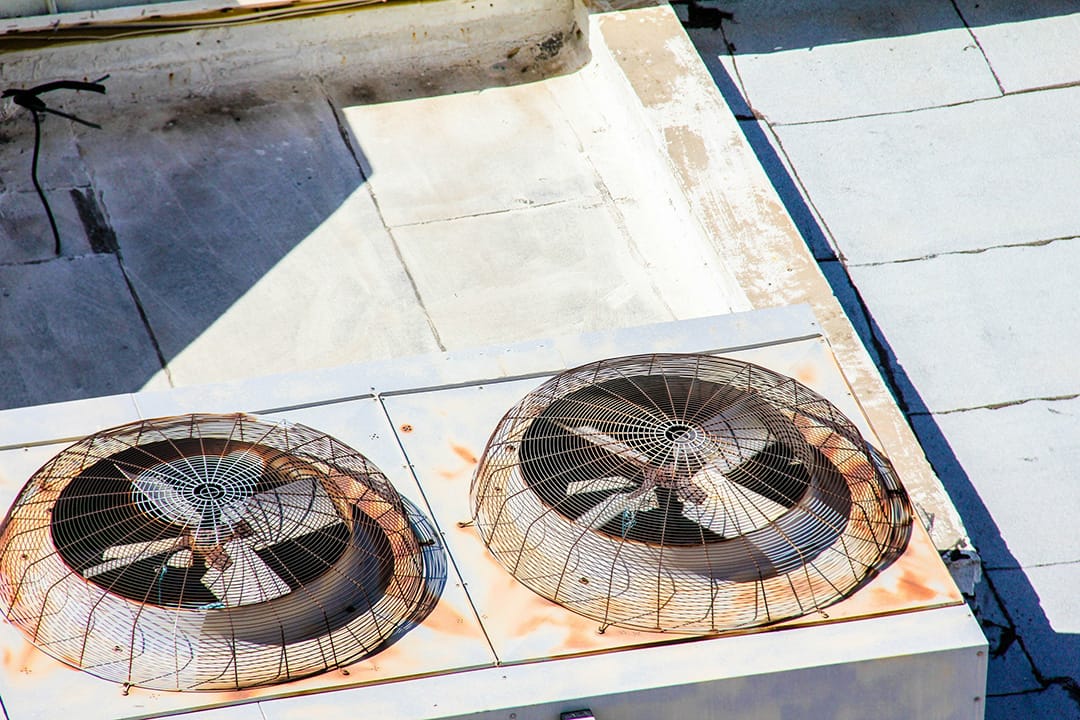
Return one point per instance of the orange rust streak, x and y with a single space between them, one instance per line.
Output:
444 620
464 453
807 375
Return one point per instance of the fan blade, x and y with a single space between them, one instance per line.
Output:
244 579
616 506
738 437
181 559
604 484
119 556
582 496
606 442
158 491
734 509
661 521
774 473
613 407
289 511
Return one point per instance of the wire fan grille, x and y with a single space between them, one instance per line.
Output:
686 493
209 552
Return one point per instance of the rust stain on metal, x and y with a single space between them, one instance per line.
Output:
464 453
806 374
444 620
532 624
406 428
912 587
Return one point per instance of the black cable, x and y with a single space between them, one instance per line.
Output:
37 185
29 99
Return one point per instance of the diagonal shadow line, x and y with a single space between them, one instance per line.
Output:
809 25
181 205
1019 601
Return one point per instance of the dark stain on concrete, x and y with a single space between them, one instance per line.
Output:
550 46
101 235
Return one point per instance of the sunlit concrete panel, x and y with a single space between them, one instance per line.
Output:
820 60
1020 461
559 269
970 330
1029 45
472 153
961 178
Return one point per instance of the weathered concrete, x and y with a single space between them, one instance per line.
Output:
748 225
471 154
961 335
985 174
953 230
70 330
815 61
1020 459
1044 618
1032 46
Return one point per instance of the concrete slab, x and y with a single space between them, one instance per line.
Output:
818 61
221 189
837 275
1020 460
710 42
59 164
785 178
1008 669
1039 604
457 155
1010 33
70 330
25 235
1053 702
556 269
972 330
1056 586
943 180
339 296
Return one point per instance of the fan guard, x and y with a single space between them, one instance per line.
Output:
685 493
209 552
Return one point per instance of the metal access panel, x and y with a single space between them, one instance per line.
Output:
903 645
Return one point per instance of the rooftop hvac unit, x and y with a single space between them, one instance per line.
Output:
686 493
665 521
209 552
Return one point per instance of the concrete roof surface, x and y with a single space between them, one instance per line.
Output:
925 151
928 153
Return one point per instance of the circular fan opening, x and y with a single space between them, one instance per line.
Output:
210 552
687 493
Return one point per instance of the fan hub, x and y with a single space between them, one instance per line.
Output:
208 491
680 434
199 490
